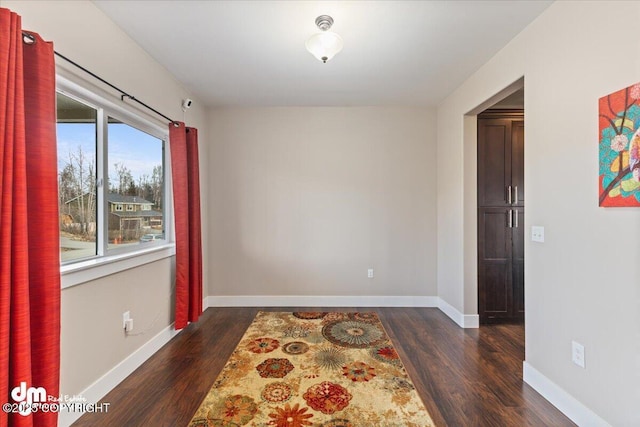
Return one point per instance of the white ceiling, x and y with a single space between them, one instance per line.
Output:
251 53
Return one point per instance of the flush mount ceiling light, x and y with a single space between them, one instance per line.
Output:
326 44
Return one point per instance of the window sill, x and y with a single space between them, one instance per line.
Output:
86 271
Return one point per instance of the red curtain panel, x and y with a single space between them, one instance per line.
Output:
183 144
29 236
195 232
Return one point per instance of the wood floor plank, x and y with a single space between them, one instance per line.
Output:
466 377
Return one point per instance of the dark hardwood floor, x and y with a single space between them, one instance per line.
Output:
466 377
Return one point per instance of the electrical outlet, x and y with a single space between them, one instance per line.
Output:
370 273
126 316
537 233
577 354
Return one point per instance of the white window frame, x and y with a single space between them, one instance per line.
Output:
109 261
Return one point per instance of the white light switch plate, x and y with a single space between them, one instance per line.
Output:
537 233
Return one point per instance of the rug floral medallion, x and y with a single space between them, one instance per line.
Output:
313 369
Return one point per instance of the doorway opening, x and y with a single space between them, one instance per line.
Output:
501 210
509 98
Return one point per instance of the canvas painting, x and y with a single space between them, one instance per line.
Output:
619 139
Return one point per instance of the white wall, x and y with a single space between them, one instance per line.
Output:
582 283
304 200
92 338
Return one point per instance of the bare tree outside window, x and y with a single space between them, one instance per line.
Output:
76 130
136 183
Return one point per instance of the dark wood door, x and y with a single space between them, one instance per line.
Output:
494 264
494 162
517 262
517 162
501 216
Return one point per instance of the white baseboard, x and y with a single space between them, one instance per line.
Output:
319 301
108 381
567 404
463 320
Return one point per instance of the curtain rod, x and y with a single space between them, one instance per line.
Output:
123 94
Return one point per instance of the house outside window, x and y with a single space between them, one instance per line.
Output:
138 219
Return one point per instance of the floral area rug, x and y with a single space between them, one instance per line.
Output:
313 369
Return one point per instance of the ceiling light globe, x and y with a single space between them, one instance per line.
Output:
325 45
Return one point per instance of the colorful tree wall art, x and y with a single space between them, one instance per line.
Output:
619 132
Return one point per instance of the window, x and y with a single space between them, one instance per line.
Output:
110 178
76 132
136 179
